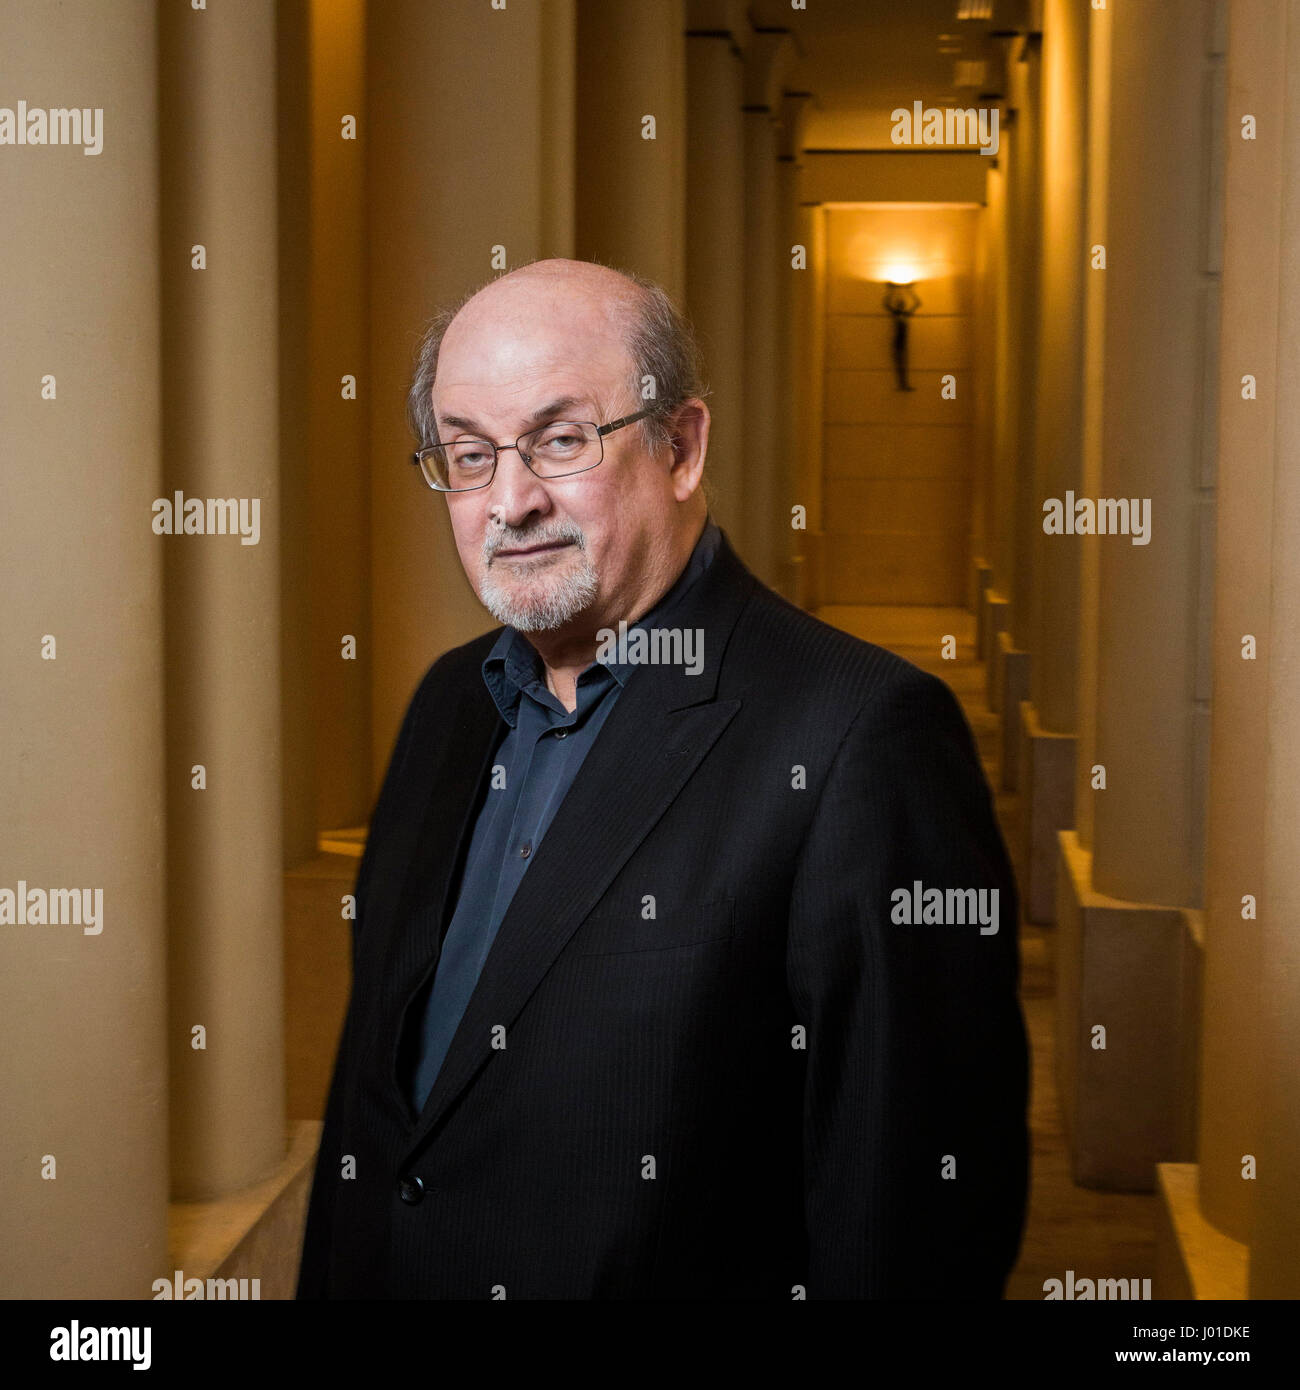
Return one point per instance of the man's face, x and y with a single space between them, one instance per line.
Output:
546 555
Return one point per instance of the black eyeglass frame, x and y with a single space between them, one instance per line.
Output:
601 432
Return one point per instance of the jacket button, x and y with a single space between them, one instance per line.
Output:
411 1190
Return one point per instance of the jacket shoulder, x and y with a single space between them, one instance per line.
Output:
452 668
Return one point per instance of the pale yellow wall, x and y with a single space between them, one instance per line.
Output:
897 465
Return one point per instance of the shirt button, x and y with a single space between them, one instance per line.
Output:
411 1191
525 850
561 733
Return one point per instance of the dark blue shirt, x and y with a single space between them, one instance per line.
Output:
535 765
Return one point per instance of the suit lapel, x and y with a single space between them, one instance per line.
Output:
411 885
660 729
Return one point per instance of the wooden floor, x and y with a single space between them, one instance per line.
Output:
1096 1234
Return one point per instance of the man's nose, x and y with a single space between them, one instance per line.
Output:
516 492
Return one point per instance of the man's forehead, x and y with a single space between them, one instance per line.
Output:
475 410
517 370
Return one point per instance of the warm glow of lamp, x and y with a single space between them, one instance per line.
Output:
898 273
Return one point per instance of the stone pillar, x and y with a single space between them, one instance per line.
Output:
1128 954
1273 1267
1238 748
793 299
452 203
1046 725
715 238
631 195
998 552
1208 1208
809 397
337 483
221 438
1010 673
83 1162
762 384
765 266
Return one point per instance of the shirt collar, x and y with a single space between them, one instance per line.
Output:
513 665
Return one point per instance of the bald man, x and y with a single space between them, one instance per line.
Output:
685 957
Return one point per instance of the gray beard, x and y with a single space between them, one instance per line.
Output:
562 599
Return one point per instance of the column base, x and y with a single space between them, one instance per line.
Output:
1010 672
317 970
981 576
253 1234
1194 1260
1047 780
1132 970
991 617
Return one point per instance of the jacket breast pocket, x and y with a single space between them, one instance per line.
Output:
608 932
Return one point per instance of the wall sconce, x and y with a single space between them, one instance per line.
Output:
902 301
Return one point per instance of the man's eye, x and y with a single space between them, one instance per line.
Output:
562 441
470 456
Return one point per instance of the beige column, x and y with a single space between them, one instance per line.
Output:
1162 256
324 473
767 56
1047 718
1128 956
981 575
793 295
1274 1269
715 239
1208 1208
1238 749
1010 674
761 354
991 617
83 1143
452 203
337 484
1094 368
631 137
809 402
221 438
1025 193
1003 210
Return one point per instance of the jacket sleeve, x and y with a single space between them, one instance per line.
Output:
313 1269
915 1136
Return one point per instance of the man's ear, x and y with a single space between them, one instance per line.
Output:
690 435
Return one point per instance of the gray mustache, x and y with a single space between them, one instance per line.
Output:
510 536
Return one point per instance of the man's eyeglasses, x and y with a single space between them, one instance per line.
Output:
552 451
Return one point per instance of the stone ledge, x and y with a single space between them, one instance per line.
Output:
1194 1260
255 1233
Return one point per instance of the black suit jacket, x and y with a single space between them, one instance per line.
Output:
767 1089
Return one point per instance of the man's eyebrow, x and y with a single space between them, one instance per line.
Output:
538 417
